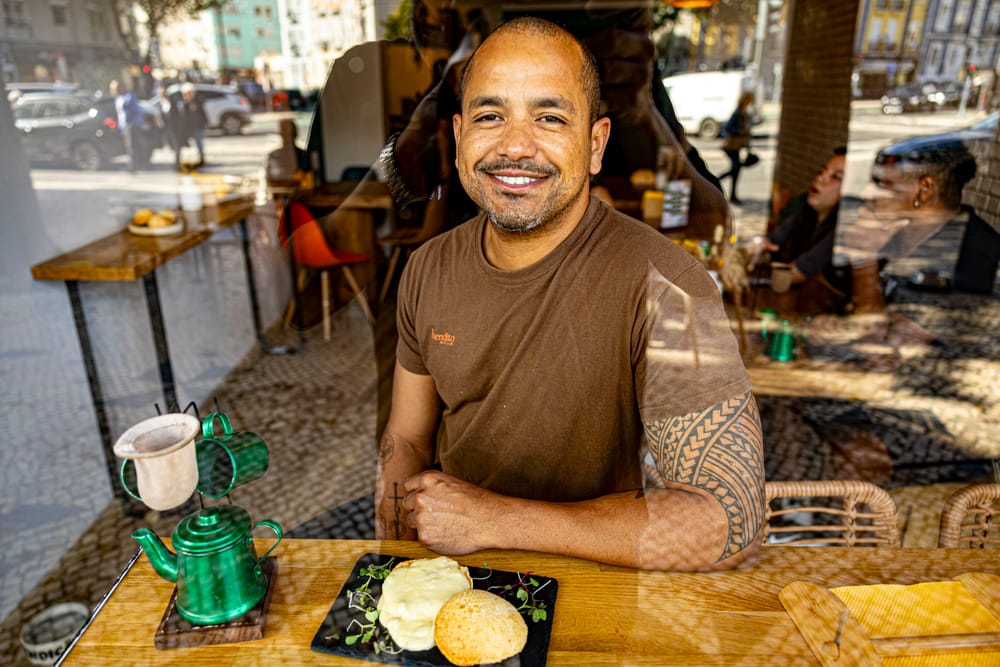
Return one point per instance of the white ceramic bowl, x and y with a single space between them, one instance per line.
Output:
49 632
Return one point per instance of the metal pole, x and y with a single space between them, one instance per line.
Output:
758 51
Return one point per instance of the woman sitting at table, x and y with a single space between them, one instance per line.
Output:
801 245
936 241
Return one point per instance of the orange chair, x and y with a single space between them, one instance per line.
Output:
310 250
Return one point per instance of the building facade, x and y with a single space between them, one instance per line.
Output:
960 33
314 33
224 41
62 40
888 44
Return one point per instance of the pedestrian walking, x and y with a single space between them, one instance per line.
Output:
737 138
169 121
193 121
130 124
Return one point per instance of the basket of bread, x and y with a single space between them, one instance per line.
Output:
434 611
162 222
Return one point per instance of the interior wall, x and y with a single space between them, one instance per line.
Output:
352 108
816 93
363 101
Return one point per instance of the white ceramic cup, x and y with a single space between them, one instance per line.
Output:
166 466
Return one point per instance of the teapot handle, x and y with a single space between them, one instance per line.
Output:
273 525
208 425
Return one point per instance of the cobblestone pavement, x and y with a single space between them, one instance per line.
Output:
939 421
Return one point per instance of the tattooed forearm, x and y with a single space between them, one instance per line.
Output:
386 447
397 508
719 451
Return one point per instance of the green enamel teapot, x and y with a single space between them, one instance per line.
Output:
216 569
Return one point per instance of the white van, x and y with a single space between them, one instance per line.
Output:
704 101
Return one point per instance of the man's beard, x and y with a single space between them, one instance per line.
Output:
512 221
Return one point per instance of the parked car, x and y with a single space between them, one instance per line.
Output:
75 129
255 93
226 107
18 88
704 101
984 130
909 97
293 99
153 136
946 94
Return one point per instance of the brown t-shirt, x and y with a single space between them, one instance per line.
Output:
546 372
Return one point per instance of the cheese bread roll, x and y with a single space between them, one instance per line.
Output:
412 595
477 627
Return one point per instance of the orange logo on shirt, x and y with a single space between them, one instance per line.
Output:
442 338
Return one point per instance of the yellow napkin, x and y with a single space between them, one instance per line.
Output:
937 608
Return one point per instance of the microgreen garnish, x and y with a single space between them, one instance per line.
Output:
360 599
526 596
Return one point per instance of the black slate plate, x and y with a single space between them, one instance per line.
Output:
337 626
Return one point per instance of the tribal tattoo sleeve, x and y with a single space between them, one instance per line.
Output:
719 451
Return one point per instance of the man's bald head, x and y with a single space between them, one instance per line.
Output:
529 25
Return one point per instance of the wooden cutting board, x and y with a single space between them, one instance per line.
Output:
837 638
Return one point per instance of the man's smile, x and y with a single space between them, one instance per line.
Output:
516 176
516 180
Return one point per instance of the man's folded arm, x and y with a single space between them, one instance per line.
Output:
406 448
717 454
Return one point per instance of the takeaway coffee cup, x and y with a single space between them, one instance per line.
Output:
781 276
159 460
228 459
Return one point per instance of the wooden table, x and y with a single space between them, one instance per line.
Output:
603 615
126 257
357 195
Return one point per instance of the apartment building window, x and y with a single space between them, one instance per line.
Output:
58 14
941 21
897 5
13 11
915 29
233 31
882 4
99 26
875 35
993 20
962 12
934 60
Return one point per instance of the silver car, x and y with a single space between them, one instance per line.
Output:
225 107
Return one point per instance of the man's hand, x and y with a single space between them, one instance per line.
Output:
451 517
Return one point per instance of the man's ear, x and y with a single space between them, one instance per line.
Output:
456 126
600 132
927 190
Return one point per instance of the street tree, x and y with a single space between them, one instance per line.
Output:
152 15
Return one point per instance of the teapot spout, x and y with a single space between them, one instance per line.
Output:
163 560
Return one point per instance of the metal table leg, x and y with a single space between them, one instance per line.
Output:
160 340
254 306
94 382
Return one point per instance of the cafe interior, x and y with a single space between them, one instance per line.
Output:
262 334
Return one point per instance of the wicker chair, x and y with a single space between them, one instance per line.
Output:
846 513
971 518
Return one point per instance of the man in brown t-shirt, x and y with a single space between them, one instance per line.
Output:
569 369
